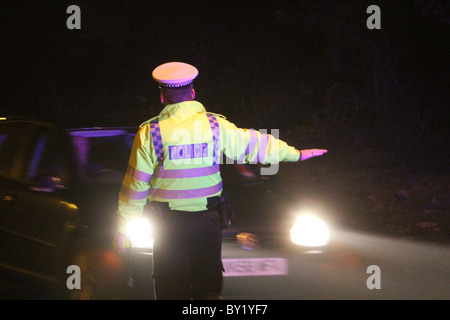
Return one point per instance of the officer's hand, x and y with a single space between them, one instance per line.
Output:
311 153
120 244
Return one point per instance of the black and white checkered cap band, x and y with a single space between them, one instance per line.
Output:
175 84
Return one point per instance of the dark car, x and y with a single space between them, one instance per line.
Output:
59 186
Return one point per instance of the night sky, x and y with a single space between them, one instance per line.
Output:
264 64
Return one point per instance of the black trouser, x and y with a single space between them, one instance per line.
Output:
187 260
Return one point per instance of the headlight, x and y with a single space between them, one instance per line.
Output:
139 232
310 231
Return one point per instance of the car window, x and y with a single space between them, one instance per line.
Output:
13 140
103 151
47 159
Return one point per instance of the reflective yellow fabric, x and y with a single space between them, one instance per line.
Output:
187 176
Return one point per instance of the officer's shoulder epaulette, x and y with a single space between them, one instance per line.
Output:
147 122
217 115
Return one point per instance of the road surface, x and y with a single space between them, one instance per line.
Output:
355 266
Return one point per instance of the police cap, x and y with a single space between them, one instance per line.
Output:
174 74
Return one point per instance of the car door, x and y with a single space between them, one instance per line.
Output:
40 207
15 139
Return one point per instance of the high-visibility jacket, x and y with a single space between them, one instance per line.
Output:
176 158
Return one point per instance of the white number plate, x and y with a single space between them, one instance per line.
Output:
255 267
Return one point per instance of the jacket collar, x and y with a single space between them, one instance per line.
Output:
185 106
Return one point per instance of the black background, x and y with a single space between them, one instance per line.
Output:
309 68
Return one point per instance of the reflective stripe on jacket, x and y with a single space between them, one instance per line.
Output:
176 156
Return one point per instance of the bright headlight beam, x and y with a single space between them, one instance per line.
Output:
310 231
140 233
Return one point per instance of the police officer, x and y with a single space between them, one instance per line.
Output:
174 164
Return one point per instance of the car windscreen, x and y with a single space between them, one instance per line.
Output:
103 153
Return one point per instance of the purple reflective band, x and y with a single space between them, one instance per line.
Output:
263 147
252 142
133 195
187 173
250 146
138 175
186 194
